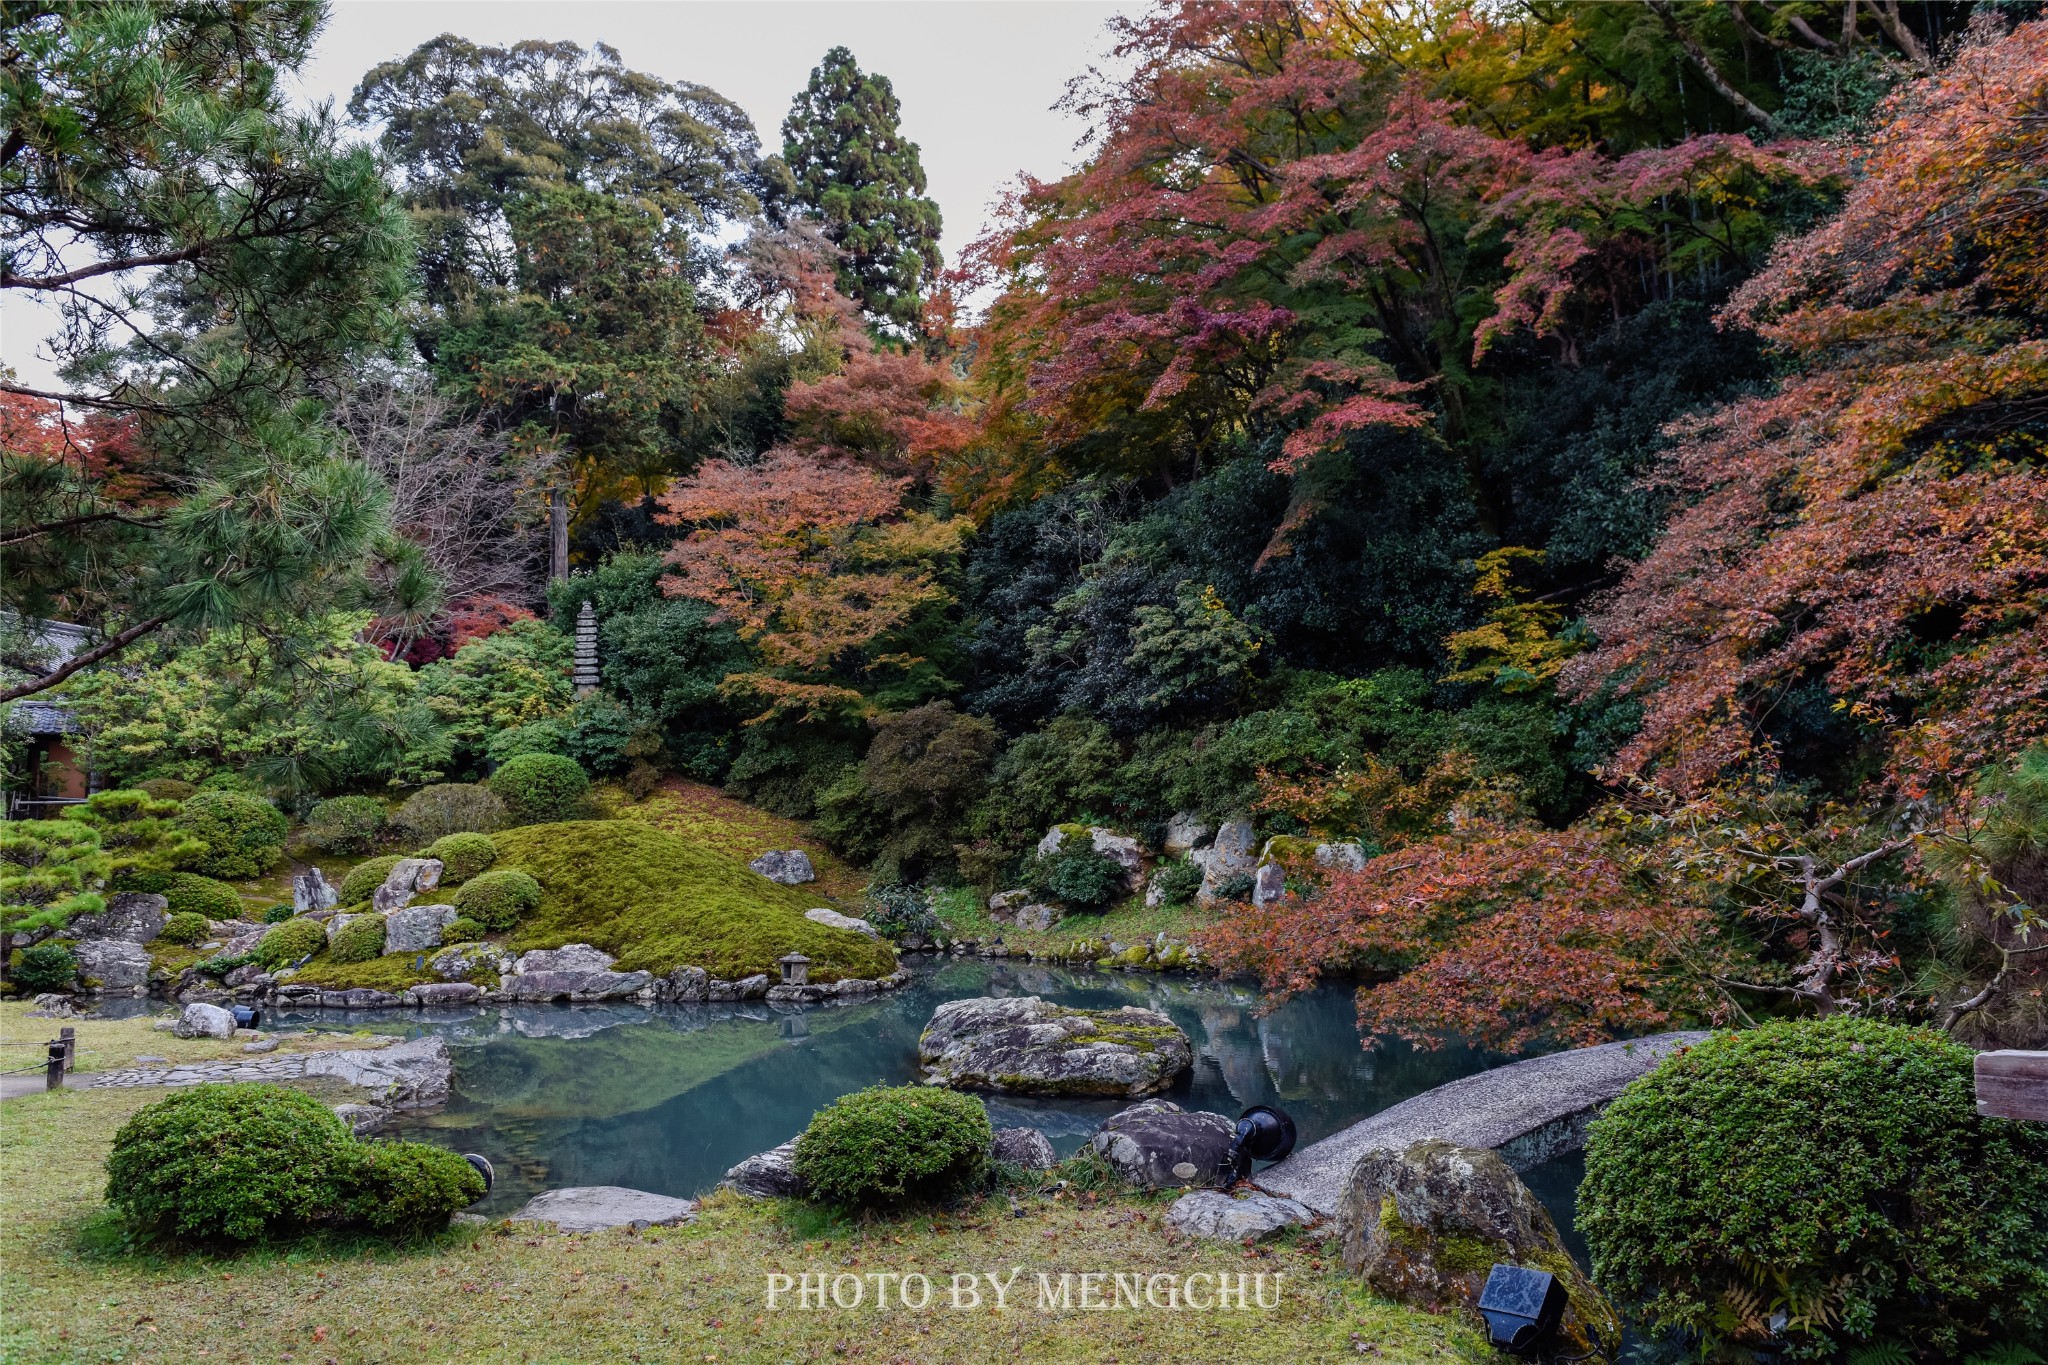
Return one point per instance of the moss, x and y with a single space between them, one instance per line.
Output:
656 902
1136 956
392 972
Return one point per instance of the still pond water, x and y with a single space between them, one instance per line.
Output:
667 1098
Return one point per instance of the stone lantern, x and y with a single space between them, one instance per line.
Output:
796 969
586 651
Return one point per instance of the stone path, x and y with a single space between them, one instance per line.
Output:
1528 1111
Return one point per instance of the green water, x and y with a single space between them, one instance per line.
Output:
667 1099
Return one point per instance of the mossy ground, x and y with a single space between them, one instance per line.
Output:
964 912
724 824
75 1292
656 901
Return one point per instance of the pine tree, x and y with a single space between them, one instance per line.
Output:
857 172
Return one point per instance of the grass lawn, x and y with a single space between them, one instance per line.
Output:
965 914
114 1044
74 1293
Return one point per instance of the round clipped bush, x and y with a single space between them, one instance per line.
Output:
539 788
895 1145
1076 875
230 1163
461 929
44 967
1834 1170
188 891
346 824
410 1187
286 943
244 834
448 808
364 878
463 855
184 927
167 788
498 900
361 939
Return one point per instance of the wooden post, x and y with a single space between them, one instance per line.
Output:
558 534
53 1073
69 1037
2013 1085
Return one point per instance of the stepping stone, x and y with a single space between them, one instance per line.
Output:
1213 1214
593 1208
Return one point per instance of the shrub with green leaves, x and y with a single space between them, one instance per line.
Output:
43 967
449 808
243 834
1178 881
499 900
242 1163
364 878
167 788
897 910
184 927
461 929
286 943
1835 1170
50 870
279 913
890 1145
139 832
188 892
346 824
463 855
1076 875
540 788
360 940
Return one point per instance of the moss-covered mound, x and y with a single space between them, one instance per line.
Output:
656 902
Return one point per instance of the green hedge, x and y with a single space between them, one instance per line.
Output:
185 927
895 1145
290 941
461 929
361 939
242 1163
185 892
346 824
244 834
43 967
539 788
499 900
1835 1169
364 878
462 856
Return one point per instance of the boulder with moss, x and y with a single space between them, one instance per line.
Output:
1027 1046
1425 1226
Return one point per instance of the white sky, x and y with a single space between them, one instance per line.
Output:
976 78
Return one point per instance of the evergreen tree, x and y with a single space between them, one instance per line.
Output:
856 171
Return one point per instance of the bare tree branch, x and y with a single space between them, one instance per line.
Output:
1751 110
105 649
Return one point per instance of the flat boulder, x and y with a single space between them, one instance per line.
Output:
1216 1216
832 919
445 993
416 928
120 966
130 916
1024 1147
362 1119
414 1074
201 1020
574 972
593 1208
767 1175
1024 1045
408 879
1425 1225
1158 1145
785 866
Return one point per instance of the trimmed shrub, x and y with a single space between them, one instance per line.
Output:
538 789
346 824
410 1187
185 893
461 929
463 855
185 927
894 1145
230 1163
289 942
279 913
244 834
448 808
361 939
1178 881
44 967
499 900
1076 875
1836 1169
364 878
167 788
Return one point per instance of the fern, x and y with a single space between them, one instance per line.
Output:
1881 1353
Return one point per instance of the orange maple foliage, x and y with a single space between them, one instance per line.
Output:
1880 523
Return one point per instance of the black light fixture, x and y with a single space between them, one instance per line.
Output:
1521 1306
483 1168
1263 1134
246 1016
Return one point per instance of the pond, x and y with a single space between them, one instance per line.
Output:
668 1098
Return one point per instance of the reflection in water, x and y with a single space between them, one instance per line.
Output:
667 1099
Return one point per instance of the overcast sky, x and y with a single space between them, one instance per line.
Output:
977 78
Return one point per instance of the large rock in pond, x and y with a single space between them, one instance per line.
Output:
413 1074
1158 1145
130 917
416 928
593 1208
408 879
119 966
201 1020
1026 1046
1026 1148
1425 1225
1214 1215
575 972
785 866
767 1175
